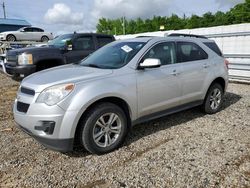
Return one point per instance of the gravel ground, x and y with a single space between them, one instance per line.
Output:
187 149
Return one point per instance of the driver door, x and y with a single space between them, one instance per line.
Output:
159 88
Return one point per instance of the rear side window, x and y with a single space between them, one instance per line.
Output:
102 41
188 51
213 46
83 43
28 29
37 29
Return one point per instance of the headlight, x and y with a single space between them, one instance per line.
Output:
25 59
55 94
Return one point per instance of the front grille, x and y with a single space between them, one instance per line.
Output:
27 91
12 58
22 107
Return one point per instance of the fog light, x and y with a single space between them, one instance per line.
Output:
46 126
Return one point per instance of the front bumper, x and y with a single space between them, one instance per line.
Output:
20 69
2 37
37 119
2 64
62 145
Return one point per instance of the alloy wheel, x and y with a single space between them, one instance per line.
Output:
215 98
107 129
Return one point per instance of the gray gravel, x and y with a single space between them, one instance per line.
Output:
187 149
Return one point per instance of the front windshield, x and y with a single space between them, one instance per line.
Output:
61 40
113 56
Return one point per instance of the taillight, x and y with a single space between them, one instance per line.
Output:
226 63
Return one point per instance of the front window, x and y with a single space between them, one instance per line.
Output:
165 52
60 41
113 56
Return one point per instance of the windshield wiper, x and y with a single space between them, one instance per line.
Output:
93 65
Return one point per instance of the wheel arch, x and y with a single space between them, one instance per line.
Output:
44 36
111 99
11 34
220 81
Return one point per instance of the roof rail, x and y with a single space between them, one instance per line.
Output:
186 35
143 36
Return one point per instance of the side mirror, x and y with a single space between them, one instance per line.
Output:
150 63
69 45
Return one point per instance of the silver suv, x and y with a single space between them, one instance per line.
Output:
96 101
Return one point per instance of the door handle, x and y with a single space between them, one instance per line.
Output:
205 66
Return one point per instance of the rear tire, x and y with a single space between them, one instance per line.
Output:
44 39
213 100
11 38
103 129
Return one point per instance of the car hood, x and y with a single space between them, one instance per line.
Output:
33 49
63 74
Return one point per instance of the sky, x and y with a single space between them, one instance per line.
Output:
63 16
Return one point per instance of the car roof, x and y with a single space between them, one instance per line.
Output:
95 34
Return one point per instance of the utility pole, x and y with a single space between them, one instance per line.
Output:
4 13
123 24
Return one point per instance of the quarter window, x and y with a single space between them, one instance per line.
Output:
213 47
165 52
188 51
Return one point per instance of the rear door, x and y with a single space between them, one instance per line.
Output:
37 34
82 46
195 66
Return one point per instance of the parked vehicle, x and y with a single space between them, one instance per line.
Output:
68 48
26 34
96 101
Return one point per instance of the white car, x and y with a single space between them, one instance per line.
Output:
26 34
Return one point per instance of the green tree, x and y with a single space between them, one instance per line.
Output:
238 14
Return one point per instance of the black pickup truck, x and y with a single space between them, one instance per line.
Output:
65 49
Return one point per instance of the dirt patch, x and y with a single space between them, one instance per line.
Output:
7 97
187 149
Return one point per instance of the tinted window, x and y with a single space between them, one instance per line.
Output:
37 29
188 51
163 51
28 29
102 41
213 46
83 43
61 41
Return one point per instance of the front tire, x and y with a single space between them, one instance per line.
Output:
11 38
103 129
213 100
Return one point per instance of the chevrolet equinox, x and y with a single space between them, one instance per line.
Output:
94 102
